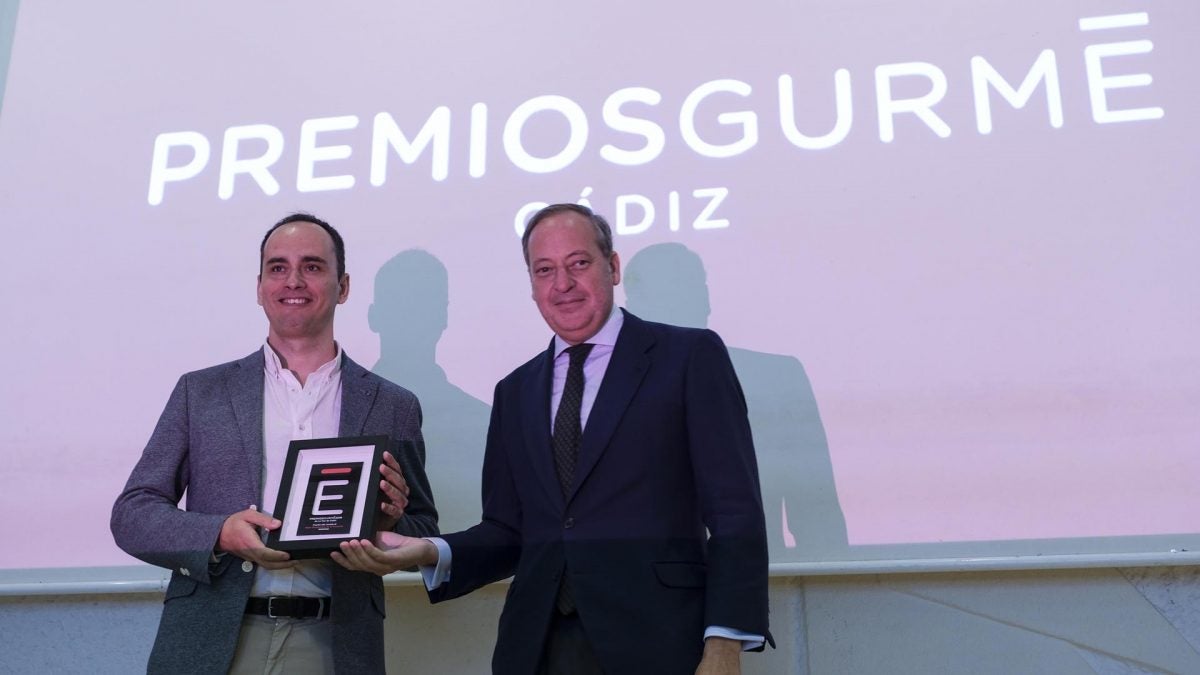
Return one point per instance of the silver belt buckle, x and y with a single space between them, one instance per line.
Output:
271 608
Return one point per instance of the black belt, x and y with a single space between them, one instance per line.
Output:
283 607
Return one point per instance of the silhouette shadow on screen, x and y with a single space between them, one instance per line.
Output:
668 283
409 312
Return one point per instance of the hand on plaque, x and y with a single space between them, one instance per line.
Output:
395 492
388 553
240 536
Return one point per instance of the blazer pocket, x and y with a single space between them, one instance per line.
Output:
180 587
680 574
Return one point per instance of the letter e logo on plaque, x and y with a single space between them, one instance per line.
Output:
329 493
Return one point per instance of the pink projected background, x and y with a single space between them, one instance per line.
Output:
973 224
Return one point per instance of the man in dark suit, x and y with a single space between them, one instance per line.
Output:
222 439
638 543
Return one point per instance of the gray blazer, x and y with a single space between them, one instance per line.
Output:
209 444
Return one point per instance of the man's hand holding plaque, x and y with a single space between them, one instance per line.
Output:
388 553
395 489
240 536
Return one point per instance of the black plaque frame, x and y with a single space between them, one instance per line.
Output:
307 532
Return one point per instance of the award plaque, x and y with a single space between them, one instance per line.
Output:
329 493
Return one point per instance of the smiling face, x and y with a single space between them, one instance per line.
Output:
298 285
571 279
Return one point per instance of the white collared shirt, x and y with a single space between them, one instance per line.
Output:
291 412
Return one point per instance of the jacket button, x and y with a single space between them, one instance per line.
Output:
184 571
247 566
568 523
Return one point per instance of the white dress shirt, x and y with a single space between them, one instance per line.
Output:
291 412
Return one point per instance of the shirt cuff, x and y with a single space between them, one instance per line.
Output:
436 575
749 640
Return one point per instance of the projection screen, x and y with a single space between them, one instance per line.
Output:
952 247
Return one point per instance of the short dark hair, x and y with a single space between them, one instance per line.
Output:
603 231
339 246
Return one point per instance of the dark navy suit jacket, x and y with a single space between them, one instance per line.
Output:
662 534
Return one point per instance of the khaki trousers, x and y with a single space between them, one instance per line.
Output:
269 646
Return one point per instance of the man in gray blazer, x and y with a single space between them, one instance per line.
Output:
222 439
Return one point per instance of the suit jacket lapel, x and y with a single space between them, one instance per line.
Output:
245 384
628 366
535 403
358 394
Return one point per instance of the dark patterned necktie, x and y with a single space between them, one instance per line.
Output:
568 431
567 427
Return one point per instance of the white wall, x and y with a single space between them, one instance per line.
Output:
1068 622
